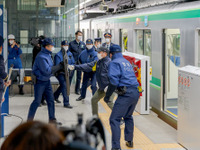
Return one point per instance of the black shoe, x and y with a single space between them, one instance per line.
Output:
21 92
79 99
129 144
57 101
44 103
68 106
115 149
55 122
78 93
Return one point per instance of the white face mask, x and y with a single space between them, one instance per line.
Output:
80 38
89 46
11 42
99 45
99 56
66 47
107 40
53 49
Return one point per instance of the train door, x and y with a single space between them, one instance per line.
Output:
171 64
143 43
123 39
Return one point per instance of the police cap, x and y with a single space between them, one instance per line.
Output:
89 41
65 42
1 40
115 48
48 41
98 39
103 49
108 35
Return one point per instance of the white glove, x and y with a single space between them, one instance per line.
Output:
71 67
106 88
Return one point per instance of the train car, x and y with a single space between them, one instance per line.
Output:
169 34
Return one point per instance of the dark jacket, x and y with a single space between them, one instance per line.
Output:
3 74
101 71
76 48
36 50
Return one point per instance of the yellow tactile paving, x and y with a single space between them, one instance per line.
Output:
141 141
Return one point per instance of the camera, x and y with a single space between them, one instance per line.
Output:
89 136
36 40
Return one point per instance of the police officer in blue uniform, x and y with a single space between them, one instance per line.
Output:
3 74
76 47
97 43
14 57
61 75
87 56
42 71
108 39
123 80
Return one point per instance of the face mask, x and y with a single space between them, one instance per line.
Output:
99 45
89 46
53 49
11 42
66 48
99 56
107 40
80 38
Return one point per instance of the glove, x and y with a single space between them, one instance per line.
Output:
56 68
111 89
106 89
71 67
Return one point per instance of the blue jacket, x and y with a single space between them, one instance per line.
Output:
3 74
104 45
59 58
76 48
121 72
88 56
43 65
14 52
101 71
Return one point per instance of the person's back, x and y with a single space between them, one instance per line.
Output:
34 135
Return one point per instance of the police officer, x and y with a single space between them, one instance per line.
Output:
42 71
101 76
87 56
97 43
122 78
61 75
14 59
108 39
76 47
3 74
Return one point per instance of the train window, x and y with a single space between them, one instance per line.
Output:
123 37
143 43
83 31
172 63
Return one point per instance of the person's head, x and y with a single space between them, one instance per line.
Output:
89 44
79 35
102 52
65 45
11 39
97 42
1 44
34 135
49 44
108 37
115 49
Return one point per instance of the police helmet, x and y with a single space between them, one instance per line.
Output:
89 41
65 42
48 41
115 48
11 37
103 49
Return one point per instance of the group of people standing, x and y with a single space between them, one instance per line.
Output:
100 63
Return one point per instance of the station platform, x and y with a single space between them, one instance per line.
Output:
151 133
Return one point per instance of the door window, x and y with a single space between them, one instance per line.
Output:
123 39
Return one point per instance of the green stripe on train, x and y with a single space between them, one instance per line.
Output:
156 81
195 13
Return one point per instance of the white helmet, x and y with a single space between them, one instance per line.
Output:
11 37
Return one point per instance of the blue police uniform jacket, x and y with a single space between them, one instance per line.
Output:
76 48
88 56
59 58
14 52
121 72
43 65
104 45
3 74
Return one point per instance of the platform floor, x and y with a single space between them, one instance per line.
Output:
151 133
